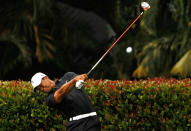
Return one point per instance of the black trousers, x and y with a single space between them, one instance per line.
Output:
85 124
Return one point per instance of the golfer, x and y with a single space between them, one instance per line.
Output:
73 102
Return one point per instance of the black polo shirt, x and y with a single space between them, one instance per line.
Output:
76 102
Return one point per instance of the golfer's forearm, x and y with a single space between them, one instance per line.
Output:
66 88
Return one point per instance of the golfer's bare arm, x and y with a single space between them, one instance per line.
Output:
66 88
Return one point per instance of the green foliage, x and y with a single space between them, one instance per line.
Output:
53 32
172 38
46 31
21 109
150 104
22 33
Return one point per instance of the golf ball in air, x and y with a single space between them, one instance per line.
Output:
129 49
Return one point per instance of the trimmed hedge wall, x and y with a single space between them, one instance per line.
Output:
22 109
151 104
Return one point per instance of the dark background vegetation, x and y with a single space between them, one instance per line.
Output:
56 36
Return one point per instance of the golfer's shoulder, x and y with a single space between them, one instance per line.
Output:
67 77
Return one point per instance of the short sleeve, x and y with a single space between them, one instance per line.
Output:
67 77
50 100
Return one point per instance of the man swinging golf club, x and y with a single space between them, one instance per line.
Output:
67 96
74 102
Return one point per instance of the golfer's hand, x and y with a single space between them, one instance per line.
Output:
80 81
81 77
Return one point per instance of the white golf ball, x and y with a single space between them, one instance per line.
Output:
129 49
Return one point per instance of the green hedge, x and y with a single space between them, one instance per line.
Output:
22 109
152 104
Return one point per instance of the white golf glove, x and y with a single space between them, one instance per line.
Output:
79 84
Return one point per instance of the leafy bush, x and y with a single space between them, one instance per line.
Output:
21 109
151 104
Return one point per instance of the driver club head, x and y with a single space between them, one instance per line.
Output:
145 6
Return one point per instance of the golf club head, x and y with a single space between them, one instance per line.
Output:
145 6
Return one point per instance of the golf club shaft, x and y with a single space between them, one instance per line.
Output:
114 44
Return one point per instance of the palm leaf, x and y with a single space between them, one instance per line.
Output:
154 59
14 52
183 66
142 70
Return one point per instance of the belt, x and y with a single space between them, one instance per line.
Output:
83 116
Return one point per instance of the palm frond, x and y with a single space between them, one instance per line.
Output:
14 52
183 67
155 58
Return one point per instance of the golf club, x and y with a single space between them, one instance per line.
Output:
145 6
